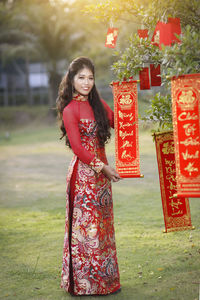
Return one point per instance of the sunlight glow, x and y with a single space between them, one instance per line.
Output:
54 2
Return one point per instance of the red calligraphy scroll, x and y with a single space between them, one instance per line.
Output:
186 123
126 129
176 211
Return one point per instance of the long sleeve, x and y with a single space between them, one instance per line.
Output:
110 113
71 120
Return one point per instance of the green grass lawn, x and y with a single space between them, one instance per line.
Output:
153 264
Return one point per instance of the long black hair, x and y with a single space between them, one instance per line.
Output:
65 96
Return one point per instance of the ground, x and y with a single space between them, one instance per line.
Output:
153 264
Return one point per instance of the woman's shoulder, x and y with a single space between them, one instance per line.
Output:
70 107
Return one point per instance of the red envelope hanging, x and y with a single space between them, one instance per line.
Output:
143 33
175 29
155 75
164 33
111 38
144 79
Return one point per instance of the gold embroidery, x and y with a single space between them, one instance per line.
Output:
79 97
187 99
190 141
187 116
168 147
96 165
190 168
187 155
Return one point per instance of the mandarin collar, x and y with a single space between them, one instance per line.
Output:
79 97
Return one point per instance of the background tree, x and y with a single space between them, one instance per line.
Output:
53 32
181 58
53 37
11 42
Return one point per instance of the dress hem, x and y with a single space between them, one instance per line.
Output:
115 291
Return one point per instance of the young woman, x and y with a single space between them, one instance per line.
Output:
89 256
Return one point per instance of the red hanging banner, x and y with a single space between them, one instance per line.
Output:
111 38
186 123
176 211
144 79
126 129
155 75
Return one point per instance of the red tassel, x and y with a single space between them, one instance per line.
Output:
155 75
144 79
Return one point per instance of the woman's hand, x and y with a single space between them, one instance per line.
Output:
111 173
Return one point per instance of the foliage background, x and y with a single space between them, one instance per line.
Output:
181 58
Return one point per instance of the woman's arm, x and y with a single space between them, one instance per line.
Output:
71 120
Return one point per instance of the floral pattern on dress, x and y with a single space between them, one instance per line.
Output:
93 250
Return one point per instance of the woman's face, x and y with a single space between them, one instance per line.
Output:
83 81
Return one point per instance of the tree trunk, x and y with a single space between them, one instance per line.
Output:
54 81
13 92
27 85
5 94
